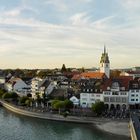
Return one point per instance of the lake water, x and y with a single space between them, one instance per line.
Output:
17 127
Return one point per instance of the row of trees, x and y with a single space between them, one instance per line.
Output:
65 105
13 97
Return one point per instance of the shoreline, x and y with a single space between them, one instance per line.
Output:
116 127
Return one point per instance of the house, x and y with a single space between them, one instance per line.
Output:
17 85
134 94
75 100
42 86
115 92
91 93
46 87
35 86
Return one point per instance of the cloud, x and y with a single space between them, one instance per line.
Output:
59 4
131 4
80 19
76 40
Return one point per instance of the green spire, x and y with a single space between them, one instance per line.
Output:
104 49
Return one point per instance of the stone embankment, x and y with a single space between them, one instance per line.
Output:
116 127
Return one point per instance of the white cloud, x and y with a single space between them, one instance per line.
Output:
131 4
75 42
80 19
60 5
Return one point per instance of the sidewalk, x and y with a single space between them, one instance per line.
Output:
114 126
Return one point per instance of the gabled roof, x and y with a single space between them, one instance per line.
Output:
44 83
94 75
123 82
14 80
89 75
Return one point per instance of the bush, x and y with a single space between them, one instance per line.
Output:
28 102
14 95
22 100
1 94
6 96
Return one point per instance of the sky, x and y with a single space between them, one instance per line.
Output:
49 33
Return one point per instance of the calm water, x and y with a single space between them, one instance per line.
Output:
16 127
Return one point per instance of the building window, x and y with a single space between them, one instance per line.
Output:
118 99
84 99
112 99
115 93
115 85
107 93
97 95
135 85
132 95
124 100
106 99
132 91
137 95
136 99
123 93
132 99
137 90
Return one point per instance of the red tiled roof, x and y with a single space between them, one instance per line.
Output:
76 77
97 75
123 80
90 75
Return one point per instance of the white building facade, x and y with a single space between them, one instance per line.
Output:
88 99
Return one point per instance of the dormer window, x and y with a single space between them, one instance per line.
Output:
123 88
115 85
135 85
108 88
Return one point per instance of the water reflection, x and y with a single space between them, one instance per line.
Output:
15 127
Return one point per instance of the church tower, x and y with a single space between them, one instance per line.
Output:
104 63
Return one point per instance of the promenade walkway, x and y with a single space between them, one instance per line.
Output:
121 126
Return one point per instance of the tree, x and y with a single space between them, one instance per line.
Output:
68 104
63 69
22 100
14 95
58 105
6 96
28 102
1 93
98 107
82 69
42 74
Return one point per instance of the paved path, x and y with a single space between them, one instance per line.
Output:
119 127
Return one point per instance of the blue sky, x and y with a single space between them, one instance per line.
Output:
48 33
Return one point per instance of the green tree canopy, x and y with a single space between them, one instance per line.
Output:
22 100
68 104
6 96
98 107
